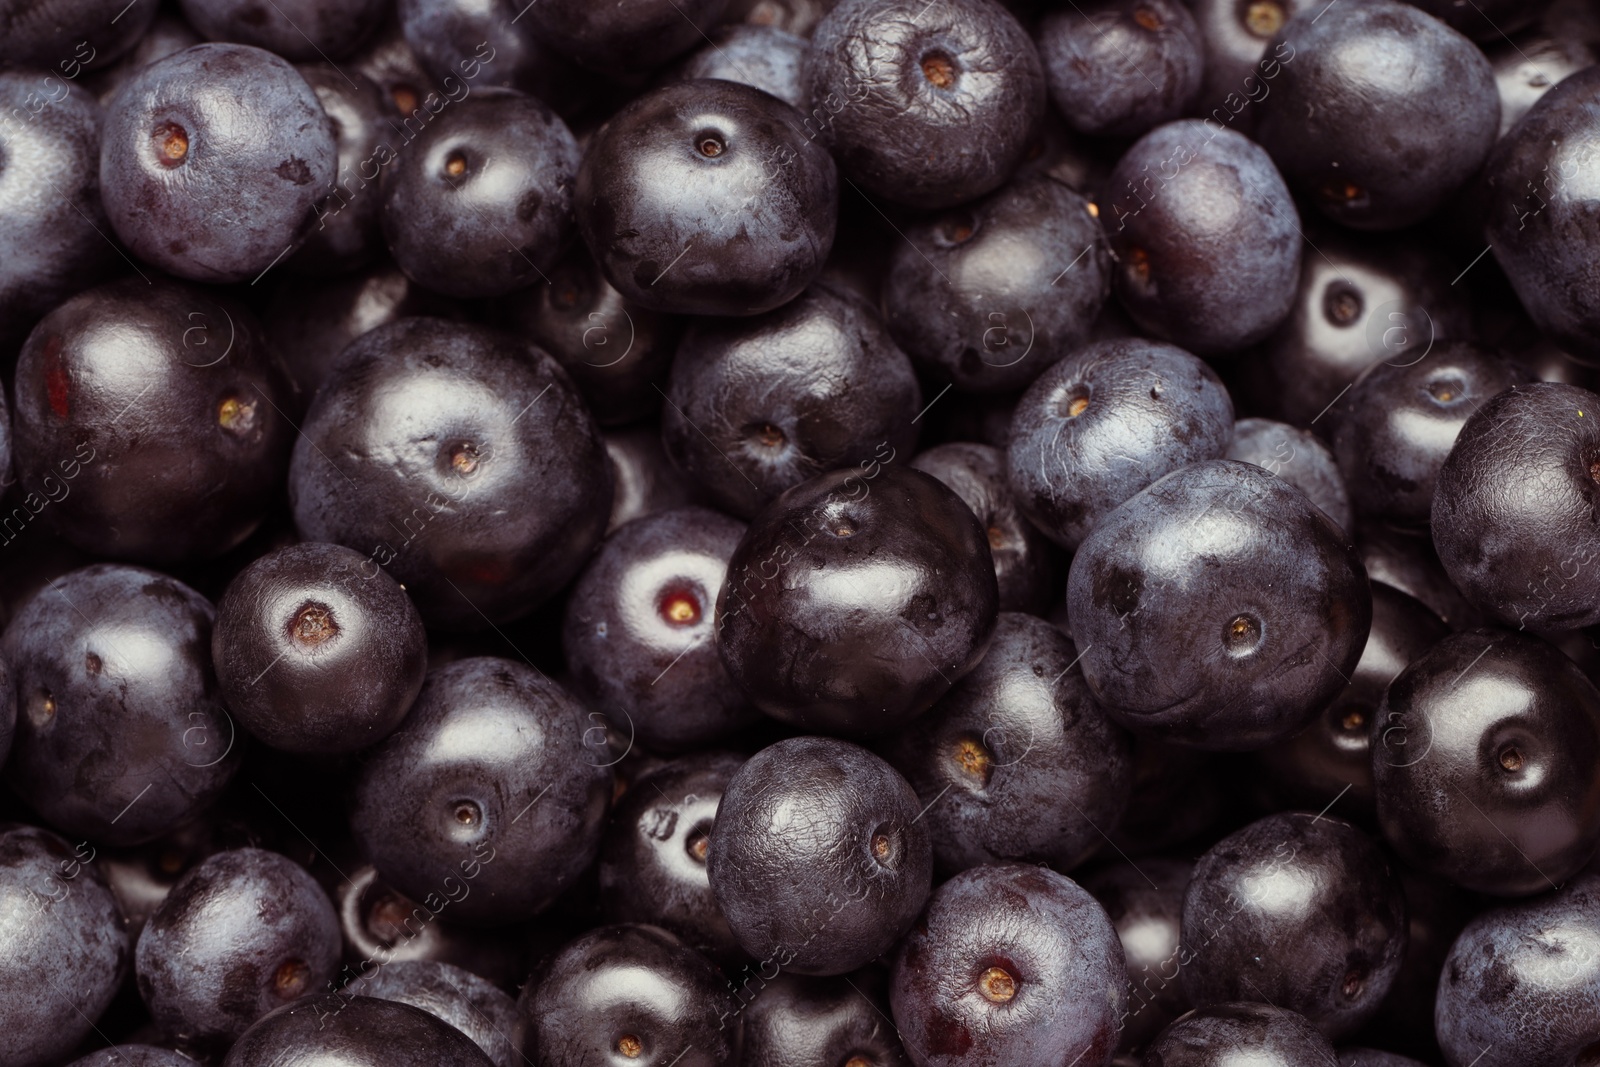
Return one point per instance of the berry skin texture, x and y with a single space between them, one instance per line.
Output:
1486 761
331 1031
1010 964
298 30
1542 223
1513 508
67 949
759 227
817 859
243 933
134 1056
1169 600
1225 1034
1206 237
926 104
856 599
1122 66
212 159
1522 982
470 1003
1299 458
1297 910
1100 426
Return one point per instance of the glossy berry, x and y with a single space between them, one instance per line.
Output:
212 160
1399 421
1218 608
121 735
67 950
653 860
1513 508
243 933
762 219
757 406
149 421
488 801
134 1056
1240 68
471 1004
1027 566
1376 152
1120 67
1299 458
359 1032
761 55
624 38
1522 982
346 235
49 198
927 104
460 460
794 1021
1011 963
1297 910
988 296
1021 732
1102 425
318 650
646 480
629 992
381 923
869 591
817 859
481 203
1484 757
1145 904
68 36
298 30
1254 1033
1540 213
1206 236
639 634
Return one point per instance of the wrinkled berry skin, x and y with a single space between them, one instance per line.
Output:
616 352
1219 608
1371 149
1522 983
67 949
1486 759
1513 508
298 30
471 1004
332 1031
1061 983
1362 299
49 186
900 90
1332 757
818 1022
653 860
317 653
1297 457
817 858
1300 911
988 296
480 204
243 933
460 460
1027 565
1019 733
1254 1033
1145 904
629 981
347 234
759 226
1541 219
149 422
639 633
212 159
117 704
856 599
1120 67
757 406
1206 237
1101 425
764 56
1397 424
623 38
489 800
65 37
